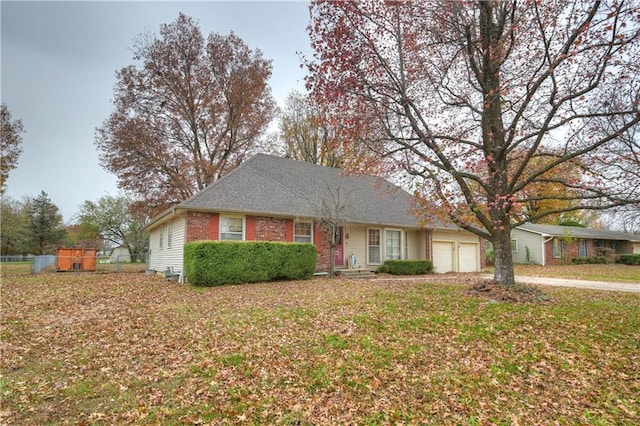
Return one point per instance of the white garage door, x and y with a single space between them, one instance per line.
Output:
442 257
636 248
468 257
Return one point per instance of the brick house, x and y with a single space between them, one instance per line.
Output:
270 198
547 244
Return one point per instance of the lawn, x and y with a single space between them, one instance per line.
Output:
608 273
136 349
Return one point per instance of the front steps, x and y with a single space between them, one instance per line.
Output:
355 273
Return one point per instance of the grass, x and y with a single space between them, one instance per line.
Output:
24 268
136 349
607 272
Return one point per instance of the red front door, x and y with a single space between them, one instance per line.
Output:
340 248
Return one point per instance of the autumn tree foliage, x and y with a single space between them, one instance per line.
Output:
483 101
10 144
311 133
305 135
14 229
188 112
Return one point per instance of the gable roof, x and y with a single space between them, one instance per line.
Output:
577 232
268 185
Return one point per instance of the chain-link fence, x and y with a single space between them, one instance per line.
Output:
76 264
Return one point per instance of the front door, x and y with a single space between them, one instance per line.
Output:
339 259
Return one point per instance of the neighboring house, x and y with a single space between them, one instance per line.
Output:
270 198
547 244
120 254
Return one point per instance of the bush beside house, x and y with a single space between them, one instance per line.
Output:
211 263
629 259
406 267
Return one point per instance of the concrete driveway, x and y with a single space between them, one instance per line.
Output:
565 282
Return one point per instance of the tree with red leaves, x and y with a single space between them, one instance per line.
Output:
189 112
481 101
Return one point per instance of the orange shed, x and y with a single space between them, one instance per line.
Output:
76 259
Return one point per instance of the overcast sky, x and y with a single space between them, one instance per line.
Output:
58 72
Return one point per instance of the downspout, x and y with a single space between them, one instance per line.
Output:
544 260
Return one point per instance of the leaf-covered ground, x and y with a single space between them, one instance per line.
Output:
609 272
136 349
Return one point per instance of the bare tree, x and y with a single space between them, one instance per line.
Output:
333 209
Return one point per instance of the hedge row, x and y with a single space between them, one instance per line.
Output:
209 263
406 267
629 259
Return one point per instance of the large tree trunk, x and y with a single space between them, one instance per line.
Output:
503 259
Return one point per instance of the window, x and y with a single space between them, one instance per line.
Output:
406 245
373 246
558 248
169 234
303 232
393 246
514 245
582 248
231 228
161 234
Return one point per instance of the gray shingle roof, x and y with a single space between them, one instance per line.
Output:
578 232
279 186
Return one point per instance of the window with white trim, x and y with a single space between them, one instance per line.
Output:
406 245
514 245
161 237
169 234
303 232
373 246
558 248
583 250
393 244
231 228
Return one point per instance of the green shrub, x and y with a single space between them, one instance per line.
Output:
629 259
589 260
210 263
406 267
382 269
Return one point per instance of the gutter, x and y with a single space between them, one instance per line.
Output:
170 211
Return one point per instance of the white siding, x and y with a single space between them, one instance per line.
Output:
416 245
527 240
356 243
160 258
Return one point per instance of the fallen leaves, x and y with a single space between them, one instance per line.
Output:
136 349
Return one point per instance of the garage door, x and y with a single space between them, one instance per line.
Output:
442 257
468 257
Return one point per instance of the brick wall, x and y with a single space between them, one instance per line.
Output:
269 229
206 226
197 226
323 262
572 252
428 245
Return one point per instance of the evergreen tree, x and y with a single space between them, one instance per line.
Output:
45 227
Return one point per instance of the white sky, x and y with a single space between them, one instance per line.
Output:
58 72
